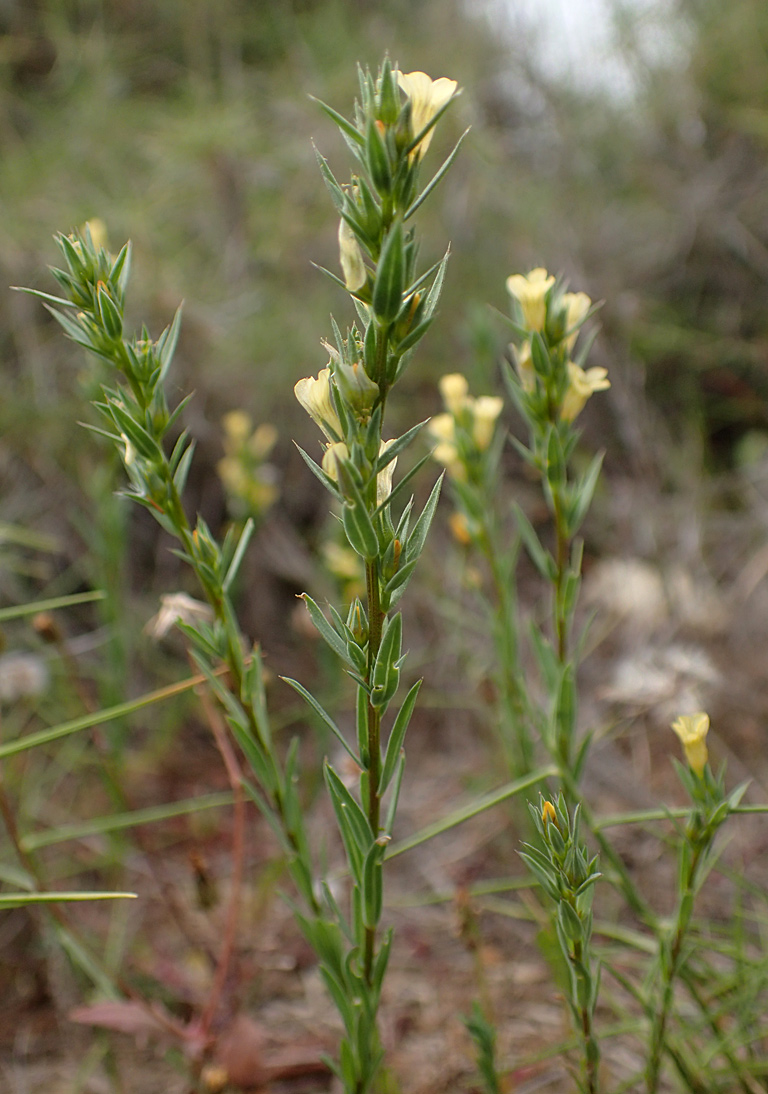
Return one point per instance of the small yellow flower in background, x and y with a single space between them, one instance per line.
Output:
427 97
460 528
475 418
263 440
530 291
692 730
485 411
315 396
577 304
581 385
98 230
248 480
343 562
525 369
454 389
237 426
337 450
443 427
351 258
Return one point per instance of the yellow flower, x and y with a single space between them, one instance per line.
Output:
351 258
530 290
548 812
692 729
427 97
333 451
454 388
98 230
442 427
315 396
237 427
577 304
485 411
525 369
263 440
460 529
580 386
384 478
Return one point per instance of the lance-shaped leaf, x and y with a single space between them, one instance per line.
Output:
436 178
386 671
390 276
334 640
540 557
345 126
378 159
397 736
583 493
323 715
373 888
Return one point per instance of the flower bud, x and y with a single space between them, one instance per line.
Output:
384 478
357 388
351 258
334 452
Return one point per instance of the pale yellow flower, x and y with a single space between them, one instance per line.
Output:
129 455
427 97
577 304
351 258
525 369
237 426
530 290
460 528
315 396
442 427
263 440
692 730
384 478
581 385
454 389
98 231
343 562
485 411
333 451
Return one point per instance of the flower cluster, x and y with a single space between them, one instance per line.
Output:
247 477
548 321
466 429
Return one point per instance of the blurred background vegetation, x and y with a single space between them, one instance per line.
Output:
186 125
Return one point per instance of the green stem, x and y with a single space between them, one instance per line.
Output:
670 969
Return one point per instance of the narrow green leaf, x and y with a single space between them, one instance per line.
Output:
540 557
345 126
397 736
436 178
323 715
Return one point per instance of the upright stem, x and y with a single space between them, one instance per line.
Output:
670 969
375 628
